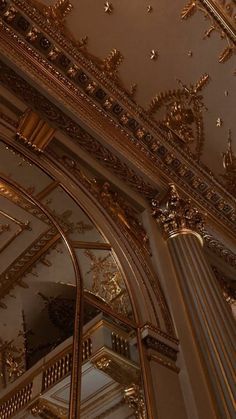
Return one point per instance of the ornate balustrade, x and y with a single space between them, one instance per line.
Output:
101 338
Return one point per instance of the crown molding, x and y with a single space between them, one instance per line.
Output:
153 153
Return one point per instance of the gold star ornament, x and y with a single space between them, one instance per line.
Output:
108 8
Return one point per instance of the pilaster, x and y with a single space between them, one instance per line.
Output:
210 318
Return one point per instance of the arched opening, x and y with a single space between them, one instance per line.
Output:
109 354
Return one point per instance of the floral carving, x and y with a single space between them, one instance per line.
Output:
178 214
183 112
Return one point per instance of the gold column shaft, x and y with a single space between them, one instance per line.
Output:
210 317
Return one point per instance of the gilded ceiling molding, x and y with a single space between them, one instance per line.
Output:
56 14
166 160
217 247
197 187
6 227
183 111
111 202
122 171
33 131
229 164
21 201
23 264
221 16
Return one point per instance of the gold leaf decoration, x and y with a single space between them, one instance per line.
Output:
226 54
111 63
188 10
208 32
211 13
201 83
183 112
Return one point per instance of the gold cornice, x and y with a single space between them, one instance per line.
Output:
167 170
149 326
217 247
165 362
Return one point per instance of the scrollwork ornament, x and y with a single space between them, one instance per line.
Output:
134 398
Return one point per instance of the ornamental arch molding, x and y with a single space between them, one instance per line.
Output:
148 301
146 306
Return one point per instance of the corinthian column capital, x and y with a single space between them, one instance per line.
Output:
178 216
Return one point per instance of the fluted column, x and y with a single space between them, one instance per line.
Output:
210 317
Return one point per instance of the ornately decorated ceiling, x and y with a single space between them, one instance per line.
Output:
174 51
136 92
172 58
151 80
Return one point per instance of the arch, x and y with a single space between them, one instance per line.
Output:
146 296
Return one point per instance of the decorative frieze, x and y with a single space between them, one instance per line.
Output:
173 168
161 347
